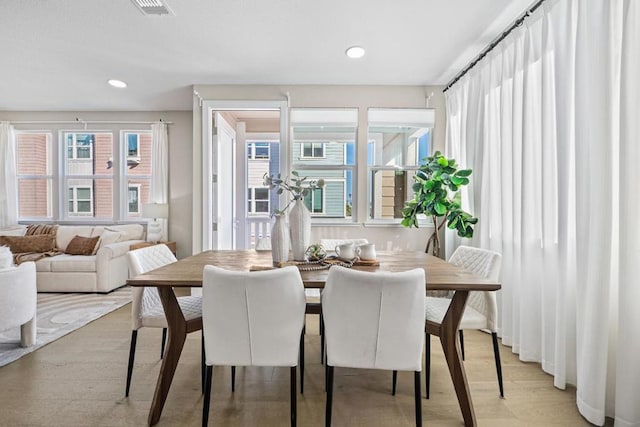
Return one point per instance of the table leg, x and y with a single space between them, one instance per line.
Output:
451 348
177 327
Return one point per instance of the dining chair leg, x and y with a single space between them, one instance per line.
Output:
207 395
461 335
327 415
321 338
202 363
496 354
427 362
164 341
393 383
418 400
294 406
233 379
132 355
302 361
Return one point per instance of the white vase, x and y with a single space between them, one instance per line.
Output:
300 227
280 241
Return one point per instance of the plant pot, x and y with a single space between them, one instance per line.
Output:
280 241
300 228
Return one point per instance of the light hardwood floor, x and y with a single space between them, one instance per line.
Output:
79 380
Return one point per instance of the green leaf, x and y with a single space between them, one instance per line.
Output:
440 208
456 180
464 172
443 162
294 173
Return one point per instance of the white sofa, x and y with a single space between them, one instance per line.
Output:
102 272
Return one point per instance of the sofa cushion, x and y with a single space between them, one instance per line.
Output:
107 237
82 245
67 232
37 243
16 230
129 231
72 263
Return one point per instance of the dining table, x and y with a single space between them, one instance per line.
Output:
188 272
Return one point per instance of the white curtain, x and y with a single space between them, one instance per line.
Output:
160 170
548 122
8 179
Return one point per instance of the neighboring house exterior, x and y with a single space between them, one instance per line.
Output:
87 179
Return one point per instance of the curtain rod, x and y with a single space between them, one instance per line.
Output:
492 45
78 121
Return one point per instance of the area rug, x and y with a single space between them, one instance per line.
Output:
60 314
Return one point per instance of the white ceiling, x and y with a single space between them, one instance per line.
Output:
58 54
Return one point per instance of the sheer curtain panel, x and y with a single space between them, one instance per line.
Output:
548 122
160 168
8 179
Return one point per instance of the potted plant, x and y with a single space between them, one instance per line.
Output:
436 194
299 216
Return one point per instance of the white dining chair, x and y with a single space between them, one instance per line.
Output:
481 310
252 319
374 321
146 307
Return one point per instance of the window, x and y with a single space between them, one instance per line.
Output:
399 139
76 180
258 151
258 200
134 199
80 145
324 147
313 150
80 201
35 179
314 200
87 176
137 172
133 147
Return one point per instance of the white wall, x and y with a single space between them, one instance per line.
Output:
361 97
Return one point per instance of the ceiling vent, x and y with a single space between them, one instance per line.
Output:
153 7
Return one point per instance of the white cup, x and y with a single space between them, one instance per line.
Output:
347 251
367 251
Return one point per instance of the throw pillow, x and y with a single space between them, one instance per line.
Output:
38 243
81 245
35 229
106 238
6 257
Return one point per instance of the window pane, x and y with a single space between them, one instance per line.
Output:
138 194
262 207
318 150
84 193
140 163
396 134
261 193
34 198
390 190
334 199
33 153
89 154
307 150
84 207
132 144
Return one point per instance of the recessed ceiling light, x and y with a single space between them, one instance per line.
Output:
355 52
117 83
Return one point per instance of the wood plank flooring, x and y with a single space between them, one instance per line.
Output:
79 380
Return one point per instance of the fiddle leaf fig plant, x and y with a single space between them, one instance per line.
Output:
436 194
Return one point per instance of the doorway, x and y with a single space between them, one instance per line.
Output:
243 141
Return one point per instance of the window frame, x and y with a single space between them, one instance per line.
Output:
313 150
75 201
251 201
138 189
409 169
49 177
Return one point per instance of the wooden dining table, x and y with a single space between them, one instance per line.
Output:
188 272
